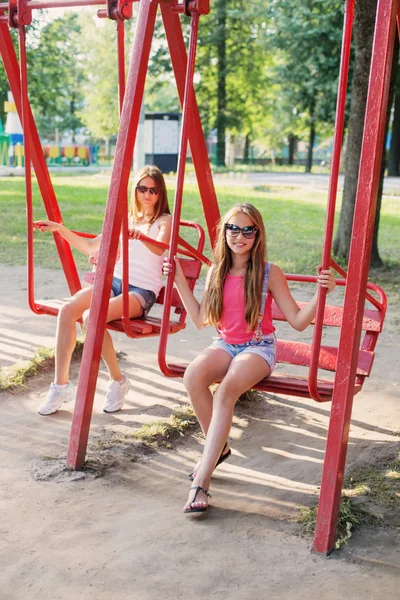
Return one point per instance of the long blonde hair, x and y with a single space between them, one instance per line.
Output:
162 206
254 274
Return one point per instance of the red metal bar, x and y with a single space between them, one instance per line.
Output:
362 234
111 231
125 242
183 146
197 142
11 66
27 164
33 5
333 184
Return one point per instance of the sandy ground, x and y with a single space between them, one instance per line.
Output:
122 535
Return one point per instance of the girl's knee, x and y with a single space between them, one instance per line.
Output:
66 312
194 378
227 392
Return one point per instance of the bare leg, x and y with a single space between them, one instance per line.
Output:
69 313
245 370
207 368
115 310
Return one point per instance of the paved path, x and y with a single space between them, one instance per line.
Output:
315 180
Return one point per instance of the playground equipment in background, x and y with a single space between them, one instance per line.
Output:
71 155
349 362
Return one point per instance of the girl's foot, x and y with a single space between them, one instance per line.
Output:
197 500
226 452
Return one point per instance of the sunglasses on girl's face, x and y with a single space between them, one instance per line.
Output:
143 189
248 232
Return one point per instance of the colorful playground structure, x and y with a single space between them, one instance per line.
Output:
12 145
359 320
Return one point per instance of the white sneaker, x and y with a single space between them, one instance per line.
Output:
58 394
116 393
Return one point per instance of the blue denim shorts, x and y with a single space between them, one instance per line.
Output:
265 348
146 297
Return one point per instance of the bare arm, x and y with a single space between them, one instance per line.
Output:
164 235
298 318
84 245
194 308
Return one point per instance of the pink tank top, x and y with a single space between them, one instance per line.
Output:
232 327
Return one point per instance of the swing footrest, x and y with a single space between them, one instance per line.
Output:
149 326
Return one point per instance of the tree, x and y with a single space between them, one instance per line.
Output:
394 151
232 89
364 25
307 34
55 74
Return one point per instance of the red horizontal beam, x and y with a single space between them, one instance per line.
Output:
32 5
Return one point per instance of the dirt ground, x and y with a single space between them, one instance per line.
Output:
117 531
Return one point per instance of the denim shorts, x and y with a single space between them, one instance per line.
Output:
146 297
265 348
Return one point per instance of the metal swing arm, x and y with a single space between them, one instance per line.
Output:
333 185
19 16
183 146
12 69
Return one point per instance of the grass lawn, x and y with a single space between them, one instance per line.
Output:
294 219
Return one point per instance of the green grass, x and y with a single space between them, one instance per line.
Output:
16 377
350 517
377 486
164 432
294 219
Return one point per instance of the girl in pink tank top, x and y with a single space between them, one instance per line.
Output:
237 300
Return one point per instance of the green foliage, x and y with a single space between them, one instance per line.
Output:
307 36
100 112
55 74
4 87
247 82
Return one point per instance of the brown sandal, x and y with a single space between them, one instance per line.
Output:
197 509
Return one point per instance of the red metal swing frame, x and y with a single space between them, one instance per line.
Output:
353 317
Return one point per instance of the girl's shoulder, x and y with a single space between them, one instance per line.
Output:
164 219
275 275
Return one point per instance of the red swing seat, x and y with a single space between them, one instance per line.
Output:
299 354
150 325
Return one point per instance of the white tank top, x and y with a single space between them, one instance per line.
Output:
145 267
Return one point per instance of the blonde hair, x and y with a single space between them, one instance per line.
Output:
162 206
254 274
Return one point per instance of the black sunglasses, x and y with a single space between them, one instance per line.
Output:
248 232
143 189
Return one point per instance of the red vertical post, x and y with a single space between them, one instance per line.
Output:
116 204
333 184
12 70
360 251
176 44
183 146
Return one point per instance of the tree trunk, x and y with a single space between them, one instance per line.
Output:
376 260
394 151
311 140
292 148
246 152
364 22
220 10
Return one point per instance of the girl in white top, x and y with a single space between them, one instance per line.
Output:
149 215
